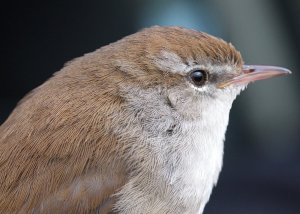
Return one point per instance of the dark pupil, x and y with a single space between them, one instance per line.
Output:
198 76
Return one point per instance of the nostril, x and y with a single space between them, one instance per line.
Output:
247 71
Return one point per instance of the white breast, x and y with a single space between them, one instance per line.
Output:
201 156
201 165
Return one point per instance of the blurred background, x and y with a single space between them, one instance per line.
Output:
261 172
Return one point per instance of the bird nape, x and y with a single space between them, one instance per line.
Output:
135 127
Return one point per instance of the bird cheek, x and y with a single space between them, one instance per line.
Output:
173 99
178 99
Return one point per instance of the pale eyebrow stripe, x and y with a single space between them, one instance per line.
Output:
170 62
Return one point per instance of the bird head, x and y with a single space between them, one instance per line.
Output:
195 71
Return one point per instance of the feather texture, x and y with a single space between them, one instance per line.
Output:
121 129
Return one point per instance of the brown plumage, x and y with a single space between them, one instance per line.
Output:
67 146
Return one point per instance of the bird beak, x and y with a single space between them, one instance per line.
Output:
251 73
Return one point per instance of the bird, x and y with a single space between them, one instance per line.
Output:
135 127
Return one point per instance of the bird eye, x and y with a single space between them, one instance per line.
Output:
199 77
